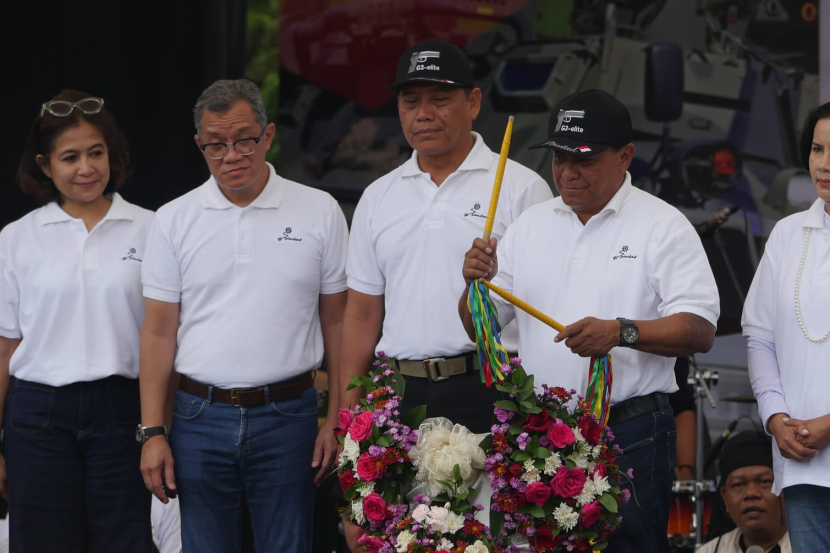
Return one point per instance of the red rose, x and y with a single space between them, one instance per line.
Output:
515 470
582 546
518 498
590 514
374 507
368 467
566 483
346 418
542 539
538 422
560 435
590 430
346 480
600 470
361 427
538 493
371 543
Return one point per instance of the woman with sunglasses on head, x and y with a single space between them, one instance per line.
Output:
71 309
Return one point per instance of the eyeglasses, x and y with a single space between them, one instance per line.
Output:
243 147
62 108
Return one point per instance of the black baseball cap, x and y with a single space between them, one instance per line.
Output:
434 61
586 123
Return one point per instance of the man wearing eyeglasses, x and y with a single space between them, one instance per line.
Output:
746 488
244 283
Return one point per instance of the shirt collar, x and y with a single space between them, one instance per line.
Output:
815 215
480 157
614 204
270 197
120 209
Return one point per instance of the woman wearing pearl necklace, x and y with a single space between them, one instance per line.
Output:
787 307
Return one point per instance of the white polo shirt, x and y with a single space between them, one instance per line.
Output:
73 296
248 279
638 258
801 388
408 241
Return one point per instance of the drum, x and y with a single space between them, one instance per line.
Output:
682 507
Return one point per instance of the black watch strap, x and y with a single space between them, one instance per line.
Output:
629 333
144 432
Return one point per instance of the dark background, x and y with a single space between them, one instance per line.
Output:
148 61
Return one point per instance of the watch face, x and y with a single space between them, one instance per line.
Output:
139 434
630 334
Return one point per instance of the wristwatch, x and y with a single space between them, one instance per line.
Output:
144 432
628 333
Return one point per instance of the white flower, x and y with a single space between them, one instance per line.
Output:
437 519
357 511
531 474
366 488
444 544
591 466
455 523
579 460
404 539
587 494
420 512
351 451
596 451
477 547
565 517
552 463
578 435
584 449
600 484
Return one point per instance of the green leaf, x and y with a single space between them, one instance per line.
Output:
348 495
400 383
516 428
383 441
524 395
415 417
486 443
534 410
520 455
505 389
507 405
569 464
375 432
543 453
609 502
536 511
519 378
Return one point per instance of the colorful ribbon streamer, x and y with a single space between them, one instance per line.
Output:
491 354
600 379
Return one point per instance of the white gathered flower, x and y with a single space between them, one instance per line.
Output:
366 488
420 512
404 539
600 484
357 511
552 463
587 494
477 547
584 449
579 460
351 451
531 474
591 466
596 451
437 518
444 545
565 517
455 523
580 439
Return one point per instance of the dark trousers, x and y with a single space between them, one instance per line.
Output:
73 468
648 444
463 399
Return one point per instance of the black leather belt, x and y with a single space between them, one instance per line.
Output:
636 406
250 397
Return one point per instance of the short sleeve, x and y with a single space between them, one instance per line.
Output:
362 267
759 308
333 274
160 272
681 275
9 300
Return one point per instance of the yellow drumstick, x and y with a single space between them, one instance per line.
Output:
529 309
494 198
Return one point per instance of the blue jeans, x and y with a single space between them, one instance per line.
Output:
228 457
808 517
73 468
648 444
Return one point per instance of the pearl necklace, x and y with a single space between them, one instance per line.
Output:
798 285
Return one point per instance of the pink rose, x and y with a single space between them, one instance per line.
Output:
600 470
361 427
346 418
559 435
590 514
537 493
566 483
368 467
374 507
371 543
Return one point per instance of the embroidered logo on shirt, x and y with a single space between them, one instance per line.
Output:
285 236
624 254
131 255
474 212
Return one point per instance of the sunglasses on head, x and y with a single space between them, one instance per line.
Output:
62 108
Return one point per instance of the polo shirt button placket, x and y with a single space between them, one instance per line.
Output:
244 247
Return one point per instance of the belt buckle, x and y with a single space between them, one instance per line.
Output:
240 390
429 364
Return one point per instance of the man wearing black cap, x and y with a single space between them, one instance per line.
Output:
631 271
746 475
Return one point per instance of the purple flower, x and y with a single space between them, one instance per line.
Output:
503 415
376 450
608 434
421 498
523 439
516 361
630 472
626 494
478 507
506 369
